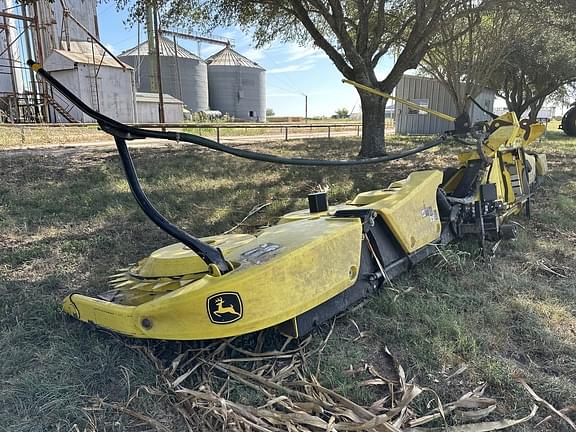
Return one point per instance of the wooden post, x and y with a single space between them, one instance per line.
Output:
159 69
177 67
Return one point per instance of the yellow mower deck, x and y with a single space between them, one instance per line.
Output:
279 274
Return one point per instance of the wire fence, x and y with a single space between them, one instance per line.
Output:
30 133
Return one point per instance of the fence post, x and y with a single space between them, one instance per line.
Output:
357 130
286 135
218 134
328 132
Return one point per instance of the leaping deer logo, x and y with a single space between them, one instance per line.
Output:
224 309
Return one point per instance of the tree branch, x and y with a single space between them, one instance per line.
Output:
320 41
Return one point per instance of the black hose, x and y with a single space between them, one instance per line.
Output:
209 254
128 132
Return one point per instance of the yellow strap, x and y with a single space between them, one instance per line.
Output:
400 100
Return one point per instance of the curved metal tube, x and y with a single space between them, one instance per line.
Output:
209 254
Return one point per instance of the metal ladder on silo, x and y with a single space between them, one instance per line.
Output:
95 102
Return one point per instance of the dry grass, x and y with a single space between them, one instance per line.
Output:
456 323
22 136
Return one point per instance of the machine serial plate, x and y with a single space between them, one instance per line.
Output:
260 254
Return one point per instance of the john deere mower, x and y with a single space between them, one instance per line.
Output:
318 261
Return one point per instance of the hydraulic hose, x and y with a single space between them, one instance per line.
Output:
209 254
128 132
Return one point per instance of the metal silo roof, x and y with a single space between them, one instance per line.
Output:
166 50
229 57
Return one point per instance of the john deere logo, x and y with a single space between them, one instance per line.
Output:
224 308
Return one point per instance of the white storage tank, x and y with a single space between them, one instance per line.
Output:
184 75
57 29
237 86
10 59
84 11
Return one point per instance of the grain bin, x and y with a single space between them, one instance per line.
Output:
237 85
11 80
184 74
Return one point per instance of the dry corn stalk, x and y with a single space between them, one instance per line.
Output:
202 383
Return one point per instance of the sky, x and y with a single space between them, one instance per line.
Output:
292 71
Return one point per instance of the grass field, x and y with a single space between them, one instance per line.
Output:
22 136
67 220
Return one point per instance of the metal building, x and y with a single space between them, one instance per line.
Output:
98 79
184 75
65 21
430 93
147 106
237 86
62 35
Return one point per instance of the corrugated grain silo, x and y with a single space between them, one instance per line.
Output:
237 85
184 75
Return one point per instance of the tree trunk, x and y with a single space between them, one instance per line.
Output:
373 125
515 108
535 108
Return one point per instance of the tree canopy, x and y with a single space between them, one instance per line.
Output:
354 34
476 46
342 113
541 59
524 56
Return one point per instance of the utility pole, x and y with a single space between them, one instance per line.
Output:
138 60
28 40
39 30
152 67
177 65
159 68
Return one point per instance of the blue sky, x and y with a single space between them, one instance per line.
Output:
292 70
